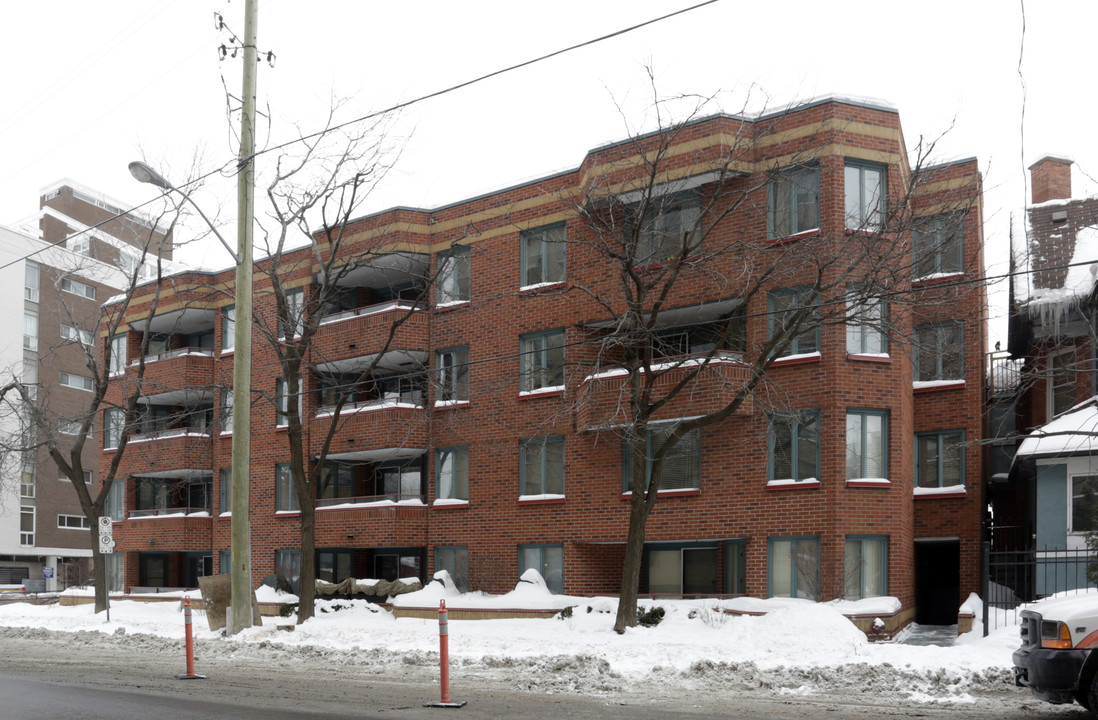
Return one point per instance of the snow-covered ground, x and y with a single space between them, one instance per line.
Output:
797 648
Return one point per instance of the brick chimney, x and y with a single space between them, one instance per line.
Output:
1050 179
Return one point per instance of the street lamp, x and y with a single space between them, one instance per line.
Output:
241 548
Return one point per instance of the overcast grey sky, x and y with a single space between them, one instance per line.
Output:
90 86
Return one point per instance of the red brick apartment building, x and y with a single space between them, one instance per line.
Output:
488 441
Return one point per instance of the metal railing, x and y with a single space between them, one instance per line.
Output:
367 499
1017 577
159 512
178 352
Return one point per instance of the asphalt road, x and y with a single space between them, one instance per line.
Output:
51 675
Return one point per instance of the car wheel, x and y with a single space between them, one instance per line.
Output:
1090 696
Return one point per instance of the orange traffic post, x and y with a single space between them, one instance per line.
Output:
190 644
444 660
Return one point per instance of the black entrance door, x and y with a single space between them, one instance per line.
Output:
937 581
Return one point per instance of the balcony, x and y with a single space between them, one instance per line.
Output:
370 425
172 450
603 396
353 333
175 369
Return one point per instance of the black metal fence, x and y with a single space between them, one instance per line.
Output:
1016 577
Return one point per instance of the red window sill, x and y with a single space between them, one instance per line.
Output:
870 358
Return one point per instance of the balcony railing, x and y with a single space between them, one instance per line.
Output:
170 512
368 500
373 404
179 352
366 311
173 433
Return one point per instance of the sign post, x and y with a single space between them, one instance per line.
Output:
106 547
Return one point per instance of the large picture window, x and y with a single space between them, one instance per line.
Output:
548 560
543 253
793 199
795 312
865 566
939 245
667 228
681 469
542 466
939 352
452 284
865 195
795 446
866 444
542 360
939 458
793 567
452 473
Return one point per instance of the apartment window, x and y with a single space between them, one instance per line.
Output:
735 567
73 334
68 427
282 403
80 244
452 473
793 567
452 284
541 466
939 352
27 479
227 410
542 360
454 559
939 458
30 331
225 478
681 469
228 327
118 354
795 312
113 422
1061 382
543 255
794 442
866 444
793 201
548 560
453 374
78 382
114 503
72 522
295 307
75 287
865 196
1083 510
680 571
31 282
400 481
865 566
667 228
287 567
285 495
939 245
26 525
866 319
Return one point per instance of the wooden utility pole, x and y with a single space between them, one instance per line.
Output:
241 563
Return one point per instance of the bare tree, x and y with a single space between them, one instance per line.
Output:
337 274
659 237
116 386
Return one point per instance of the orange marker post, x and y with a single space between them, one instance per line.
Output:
444 660
190 644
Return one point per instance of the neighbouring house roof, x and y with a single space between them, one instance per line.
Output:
1073 433
1060 270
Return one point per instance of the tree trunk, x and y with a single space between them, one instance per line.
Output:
631 565
99 572
307 591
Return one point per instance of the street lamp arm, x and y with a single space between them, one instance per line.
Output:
142 172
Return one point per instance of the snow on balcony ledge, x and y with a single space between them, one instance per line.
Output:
790 484
869 482
551 390
946 491
450 503
451 403
930 385
797 359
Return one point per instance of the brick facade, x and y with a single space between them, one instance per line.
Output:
733 514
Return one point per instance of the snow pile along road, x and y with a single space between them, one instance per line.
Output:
798 648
